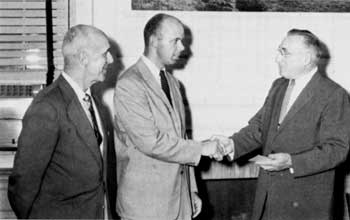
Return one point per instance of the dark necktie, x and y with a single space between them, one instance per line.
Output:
88 101
165 85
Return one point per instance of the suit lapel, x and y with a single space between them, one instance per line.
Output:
78 117
274 105
156 88
177 105
304 97
153 85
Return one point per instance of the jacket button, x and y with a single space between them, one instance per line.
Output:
295 204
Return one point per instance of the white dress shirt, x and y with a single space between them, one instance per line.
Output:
152 68
300 84
81 95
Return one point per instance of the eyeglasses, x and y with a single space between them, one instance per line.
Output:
284 53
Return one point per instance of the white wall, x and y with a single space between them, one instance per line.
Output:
233 65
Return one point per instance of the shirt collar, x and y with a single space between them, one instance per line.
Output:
304 79
76 88
152 67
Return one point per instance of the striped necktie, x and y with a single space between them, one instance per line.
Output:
98 135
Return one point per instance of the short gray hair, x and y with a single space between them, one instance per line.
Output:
310 40
78 37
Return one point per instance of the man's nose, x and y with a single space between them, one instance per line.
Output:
109 58
181 46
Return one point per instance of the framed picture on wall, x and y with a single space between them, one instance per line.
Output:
244 5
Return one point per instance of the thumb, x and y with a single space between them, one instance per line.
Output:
272 156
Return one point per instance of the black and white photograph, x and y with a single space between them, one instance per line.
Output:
175 109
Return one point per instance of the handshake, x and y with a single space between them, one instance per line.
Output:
217 147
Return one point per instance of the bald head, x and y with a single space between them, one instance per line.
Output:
163 35
155 24
78 38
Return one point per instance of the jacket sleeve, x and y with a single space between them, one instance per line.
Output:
35 147
135 120
250 137
333 144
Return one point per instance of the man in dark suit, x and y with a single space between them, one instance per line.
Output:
60 166
302 131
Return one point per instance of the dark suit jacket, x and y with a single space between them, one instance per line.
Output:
58 168
315 133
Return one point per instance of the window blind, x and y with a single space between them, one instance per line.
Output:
23 40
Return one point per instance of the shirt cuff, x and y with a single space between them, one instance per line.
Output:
231 155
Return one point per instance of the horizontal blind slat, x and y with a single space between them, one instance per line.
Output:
23 77
24 53
22 21
22 5
22 13
13 13
29 21
26 46
30 5
22 29
16 61
31 38
29 29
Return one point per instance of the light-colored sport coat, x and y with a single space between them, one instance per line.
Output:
154 179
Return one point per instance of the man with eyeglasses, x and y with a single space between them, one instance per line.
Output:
302 131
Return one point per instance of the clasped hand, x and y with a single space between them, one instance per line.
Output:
217 147
274 161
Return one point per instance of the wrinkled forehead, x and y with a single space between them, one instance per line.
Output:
171 28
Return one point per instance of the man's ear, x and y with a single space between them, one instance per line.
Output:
153 41
83 57
308 58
